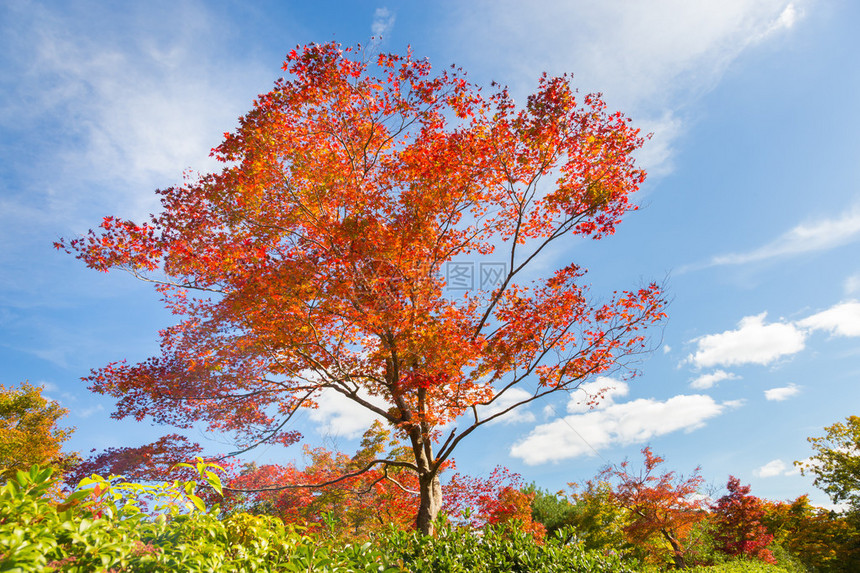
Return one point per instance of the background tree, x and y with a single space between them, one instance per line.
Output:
662 506
497 499
552 510
600 522
738 518
365 503
836 462
29 431
822 540
313 261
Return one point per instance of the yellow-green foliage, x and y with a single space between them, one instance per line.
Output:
102 526
29 433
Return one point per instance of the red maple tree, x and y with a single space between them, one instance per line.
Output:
739 519
495 499
313 261
664 506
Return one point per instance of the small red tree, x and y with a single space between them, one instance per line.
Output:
496 499
315 258
738 518
662 505
363 503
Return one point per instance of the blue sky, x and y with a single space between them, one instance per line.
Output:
751 212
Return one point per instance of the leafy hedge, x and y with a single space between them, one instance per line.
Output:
102 527
493 549
109 525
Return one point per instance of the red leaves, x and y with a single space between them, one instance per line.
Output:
740 529
150 462
495 499
119 244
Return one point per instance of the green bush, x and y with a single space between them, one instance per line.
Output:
102 527
494 549
739 566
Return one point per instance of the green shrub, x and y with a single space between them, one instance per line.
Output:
739 566
494 549
102 527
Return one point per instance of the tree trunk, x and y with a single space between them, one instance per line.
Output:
428 482
677 550
431 503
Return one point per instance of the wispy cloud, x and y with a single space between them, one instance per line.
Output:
805 238
706 381
124 110
87 412
612 47
383 23
782 393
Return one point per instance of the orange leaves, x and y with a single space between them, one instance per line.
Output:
120 243
664 506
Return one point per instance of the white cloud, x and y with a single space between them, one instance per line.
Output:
509 398
770 469
636 421
667 349
804 238
706 381
782 393
842 319
337 415
753 342
648 58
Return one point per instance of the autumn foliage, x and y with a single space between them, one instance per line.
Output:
739 518
150 462
313 262
352 507
664 506
496 499
30 432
